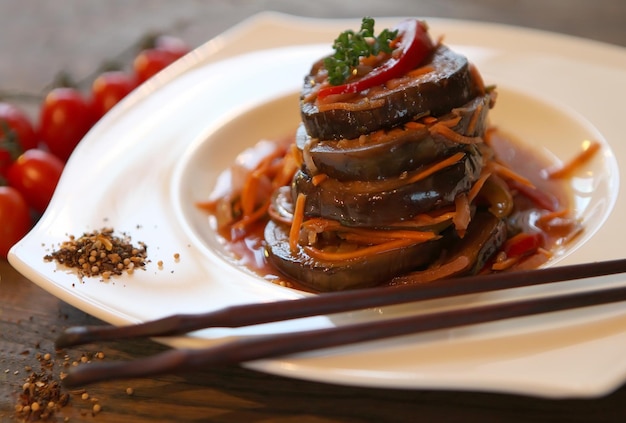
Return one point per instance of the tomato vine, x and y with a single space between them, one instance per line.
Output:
33 151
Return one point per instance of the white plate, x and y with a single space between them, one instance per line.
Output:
144 165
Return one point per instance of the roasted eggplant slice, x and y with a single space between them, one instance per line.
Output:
377 156
485 235
323 276
447 85
389 152
380 203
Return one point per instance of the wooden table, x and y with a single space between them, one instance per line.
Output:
30 318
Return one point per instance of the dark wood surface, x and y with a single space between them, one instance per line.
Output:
42 38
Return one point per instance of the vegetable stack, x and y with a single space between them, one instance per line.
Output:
394 176
392 145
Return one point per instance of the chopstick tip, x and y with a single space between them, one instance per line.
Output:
71 337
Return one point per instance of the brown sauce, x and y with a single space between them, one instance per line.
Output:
554 195
534 165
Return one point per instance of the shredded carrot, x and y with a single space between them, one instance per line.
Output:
449 161
443 130
507 263
319 224
208 206
463 216
266 168
547 217
373 235
507 173
583 157
365 104
373 59
402 180
248 193
428 219
319 178
414 125
295 154
298 218
473 192
326 224
394 83
289 165
453 121
363 239
278 169
422 70
429 120
396 244
240 227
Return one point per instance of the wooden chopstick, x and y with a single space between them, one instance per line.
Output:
254 348
259 347
245 315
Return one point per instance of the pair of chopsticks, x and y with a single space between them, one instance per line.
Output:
266 346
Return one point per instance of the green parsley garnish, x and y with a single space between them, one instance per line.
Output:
350 47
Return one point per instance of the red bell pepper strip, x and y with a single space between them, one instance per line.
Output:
415 45
522 244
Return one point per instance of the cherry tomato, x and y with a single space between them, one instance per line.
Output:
15 218
65 118
151 61
172 44
19 124
5 161
16 135
35 175
108 89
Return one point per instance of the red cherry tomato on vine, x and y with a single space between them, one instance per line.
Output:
65 118
18 123
5 161
15 218
151 61
108 89
16 135
35 175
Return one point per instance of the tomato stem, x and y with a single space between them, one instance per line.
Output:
10 142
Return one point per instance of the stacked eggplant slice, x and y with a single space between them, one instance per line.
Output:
385 185
394 176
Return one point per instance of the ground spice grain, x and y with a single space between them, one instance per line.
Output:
100 253
41 394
